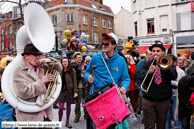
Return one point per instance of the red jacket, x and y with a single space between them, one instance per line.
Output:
132 85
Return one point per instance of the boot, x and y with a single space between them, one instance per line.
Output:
68 125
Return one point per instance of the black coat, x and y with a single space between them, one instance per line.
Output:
184 94
160 92
78 72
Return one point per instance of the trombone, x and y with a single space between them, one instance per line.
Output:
163 62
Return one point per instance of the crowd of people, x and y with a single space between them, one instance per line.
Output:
167 99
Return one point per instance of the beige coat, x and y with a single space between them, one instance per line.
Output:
27 86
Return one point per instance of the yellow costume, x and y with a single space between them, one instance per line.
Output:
4 61
128 46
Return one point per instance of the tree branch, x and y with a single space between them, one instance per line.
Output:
10 1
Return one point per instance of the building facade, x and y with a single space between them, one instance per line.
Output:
6 46
123 23
183 26
89 16
152 21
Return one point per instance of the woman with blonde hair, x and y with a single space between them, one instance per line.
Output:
132 94
182 62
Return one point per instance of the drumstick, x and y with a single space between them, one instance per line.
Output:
94 67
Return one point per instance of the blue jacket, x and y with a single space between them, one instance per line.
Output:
117 67
138 71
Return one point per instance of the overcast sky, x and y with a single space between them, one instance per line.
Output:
116 5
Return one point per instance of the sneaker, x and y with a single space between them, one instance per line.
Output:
76 120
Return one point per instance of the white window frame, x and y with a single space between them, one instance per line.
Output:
10 29
109 24
70 17
95 37
85 19
2 32
95 21
10 44
93 6
54 19
2 45
181 21
103 23
5 30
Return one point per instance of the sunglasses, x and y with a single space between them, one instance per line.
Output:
105 44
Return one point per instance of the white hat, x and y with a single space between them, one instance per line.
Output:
88 58
111 35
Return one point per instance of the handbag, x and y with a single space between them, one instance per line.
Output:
106 106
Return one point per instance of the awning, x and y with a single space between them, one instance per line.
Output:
142 49
2 56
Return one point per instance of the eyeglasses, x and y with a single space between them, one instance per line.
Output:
105 44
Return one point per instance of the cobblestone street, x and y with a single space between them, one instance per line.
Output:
82 123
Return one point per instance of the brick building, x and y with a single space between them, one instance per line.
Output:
6 45
89 16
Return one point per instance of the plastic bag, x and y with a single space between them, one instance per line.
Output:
6 112
131 118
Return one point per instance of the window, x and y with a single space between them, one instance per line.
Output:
5 30
101 8
93 6
149 3
85 19
70 1
164 23
135 24
185 21
103 23
10 30
2 45
109 25
54 19
10 44
134 6
95 37
2 32
150 25
95 21
183 0
70 17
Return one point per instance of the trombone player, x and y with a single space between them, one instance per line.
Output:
156 100
29 81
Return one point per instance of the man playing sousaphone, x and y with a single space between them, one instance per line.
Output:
156 100
29 82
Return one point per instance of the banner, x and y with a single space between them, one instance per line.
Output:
185 52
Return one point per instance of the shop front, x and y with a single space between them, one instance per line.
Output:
6 53
145 43
185 45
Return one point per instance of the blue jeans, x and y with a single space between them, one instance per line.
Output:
171 113
186 122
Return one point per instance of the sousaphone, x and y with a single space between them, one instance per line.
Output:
39 30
